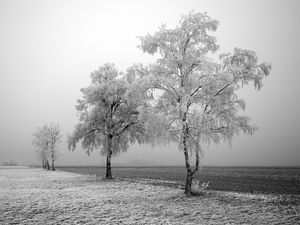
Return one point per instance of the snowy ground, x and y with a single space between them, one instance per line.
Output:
35 196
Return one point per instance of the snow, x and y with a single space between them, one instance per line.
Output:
36 196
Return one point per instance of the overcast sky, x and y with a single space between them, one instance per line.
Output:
49 48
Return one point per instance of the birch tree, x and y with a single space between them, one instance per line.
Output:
109 115
197 101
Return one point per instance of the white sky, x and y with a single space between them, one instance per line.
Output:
49 48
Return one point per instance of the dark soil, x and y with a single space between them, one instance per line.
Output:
239 179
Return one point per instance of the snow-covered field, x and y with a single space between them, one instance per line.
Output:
35 196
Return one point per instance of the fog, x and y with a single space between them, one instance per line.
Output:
49 48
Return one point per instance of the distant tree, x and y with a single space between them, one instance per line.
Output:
46 139
40 141
54 137
109 114
197 101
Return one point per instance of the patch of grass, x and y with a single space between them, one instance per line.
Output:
198 188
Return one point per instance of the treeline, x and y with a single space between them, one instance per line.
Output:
10 163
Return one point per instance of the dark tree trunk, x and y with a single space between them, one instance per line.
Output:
189 175
52 159
108 157
188 183
53 168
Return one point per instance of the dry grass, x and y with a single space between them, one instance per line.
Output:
35 196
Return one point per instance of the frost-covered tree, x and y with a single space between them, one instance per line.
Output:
197 101
109 114
41 143
46 140
54 137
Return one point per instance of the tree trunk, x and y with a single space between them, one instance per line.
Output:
188 184
52 159
53 168
189 176
108 157
43 164
47 165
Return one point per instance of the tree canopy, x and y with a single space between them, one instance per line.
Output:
109 114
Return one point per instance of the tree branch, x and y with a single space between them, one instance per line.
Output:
223 88
127 126
186 44
194 65
197 89
218 129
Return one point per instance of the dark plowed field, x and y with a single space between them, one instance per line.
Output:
241 179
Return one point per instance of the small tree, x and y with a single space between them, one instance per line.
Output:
41 143
197 102
54 138
109 115
46 139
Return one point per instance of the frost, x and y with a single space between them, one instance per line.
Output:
36 196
